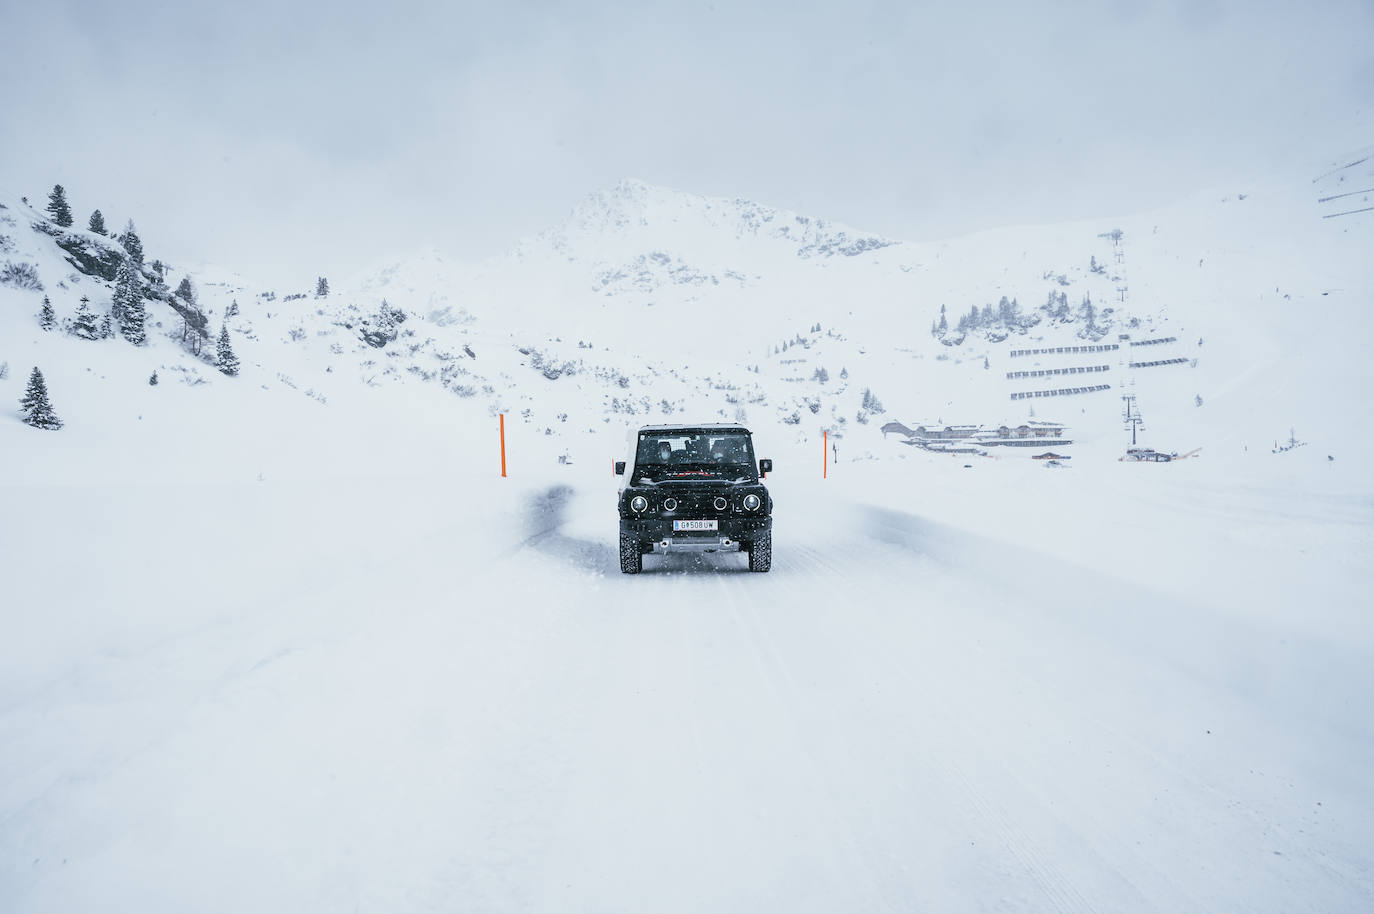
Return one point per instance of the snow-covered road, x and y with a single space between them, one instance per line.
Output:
379 706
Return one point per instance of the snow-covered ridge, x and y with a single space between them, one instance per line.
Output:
638 211
650 304
649 272
619 238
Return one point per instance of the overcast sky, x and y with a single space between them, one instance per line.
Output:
290 140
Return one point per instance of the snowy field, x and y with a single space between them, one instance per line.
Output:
289 642
405 692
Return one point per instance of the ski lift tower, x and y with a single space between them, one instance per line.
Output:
1123 300
1131 416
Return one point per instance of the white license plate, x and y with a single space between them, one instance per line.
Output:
680 525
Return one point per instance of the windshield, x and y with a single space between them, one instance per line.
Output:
683 455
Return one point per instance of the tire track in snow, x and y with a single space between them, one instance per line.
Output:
771 668
1055 886
1162 669
1052 845
836 576
794 582
939 547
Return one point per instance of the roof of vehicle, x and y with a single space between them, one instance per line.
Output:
697 426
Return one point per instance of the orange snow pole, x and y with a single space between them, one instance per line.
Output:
825 453
503 445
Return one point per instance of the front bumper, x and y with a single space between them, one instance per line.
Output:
695 544
656 534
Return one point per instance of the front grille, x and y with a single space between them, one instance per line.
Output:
696 505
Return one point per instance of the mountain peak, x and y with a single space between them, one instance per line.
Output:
635 213
622 206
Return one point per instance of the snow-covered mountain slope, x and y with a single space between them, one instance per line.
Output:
294 624
680 293
648 303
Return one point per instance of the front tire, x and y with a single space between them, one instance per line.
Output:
631 558
761 552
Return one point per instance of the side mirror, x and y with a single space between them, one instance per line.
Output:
620 468
765 467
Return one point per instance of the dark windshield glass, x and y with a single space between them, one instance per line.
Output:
690 454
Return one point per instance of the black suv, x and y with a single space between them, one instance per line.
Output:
694 488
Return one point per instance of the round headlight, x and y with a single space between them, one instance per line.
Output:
639 503
720 503
752 502
670 504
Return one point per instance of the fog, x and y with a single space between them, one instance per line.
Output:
291 140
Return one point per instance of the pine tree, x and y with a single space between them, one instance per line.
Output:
383 325
46 318
322 288
227 361
1009 313
83 325
37 410
133 326
132 243
126 289
57 206
152 380
1089 314
128 304
193 320
97 223
106 327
